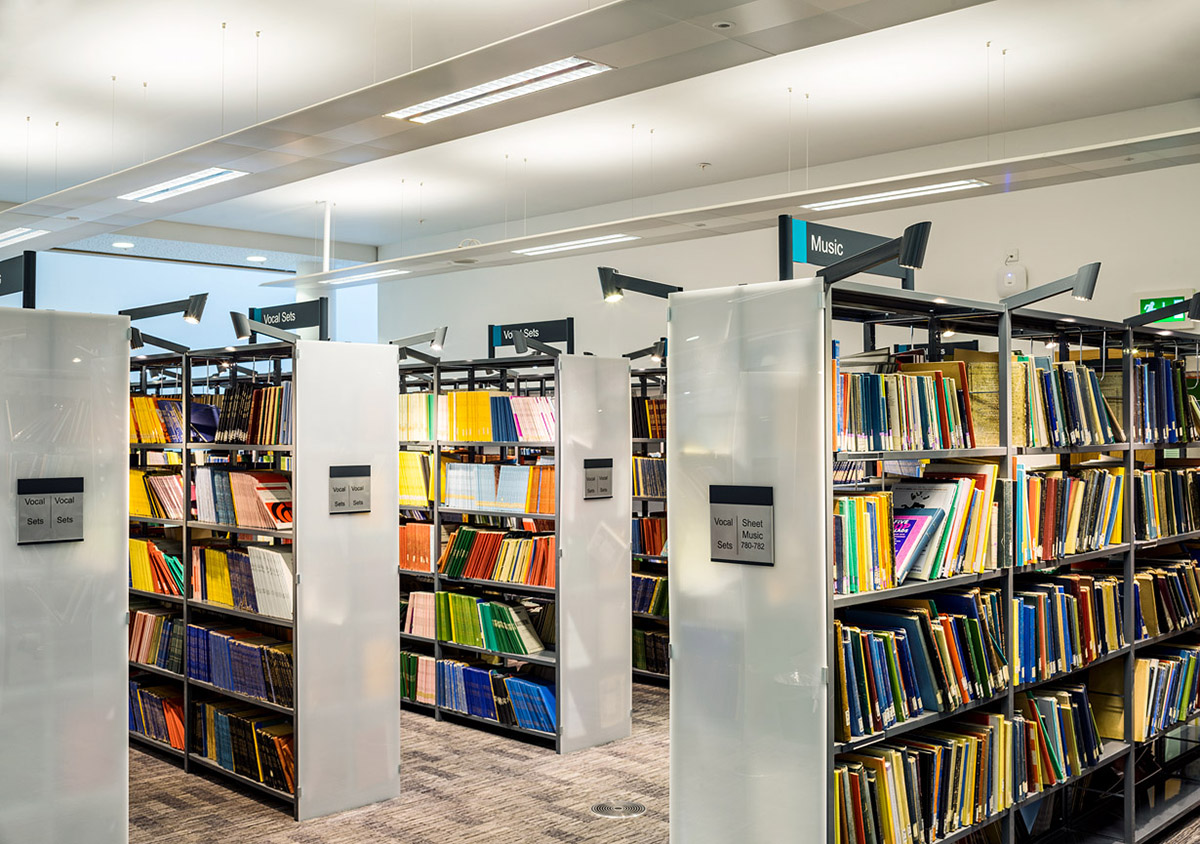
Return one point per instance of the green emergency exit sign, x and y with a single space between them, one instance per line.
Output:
1157 302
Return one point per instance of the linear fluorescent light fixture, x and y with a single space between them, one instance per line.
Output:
891 195
12 236
364 276
568 245
184 184
498 90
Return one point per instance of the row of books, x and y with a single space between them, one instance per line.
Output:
650 594
895 661
417 543
649 418
246 413
253 499
155 636
923 406
156 709
155 420
524 701
1164 411
491 416
506 556
1166 502
1067 406
930 784
503 487
651 651
418 677
415 488
649 535
1167 598
247 740
939 526
419 417
1064 623
1060 513
1164 693
650 477
254 578
238 660
496 626
152 570
157 494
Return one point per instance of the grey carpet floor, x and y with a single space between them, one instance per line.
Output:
459 785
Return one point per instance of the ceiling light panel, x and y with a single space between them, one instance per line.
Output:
184 184
365 276
891 195
12 236
568 245
498 90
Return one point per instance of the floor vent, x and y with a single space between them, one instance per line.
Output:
618 809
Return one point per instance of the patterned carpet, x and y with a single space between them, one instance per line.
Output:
460 785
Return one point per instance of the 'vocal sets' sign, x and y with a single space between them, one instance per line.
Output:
349 489
49 510
742 524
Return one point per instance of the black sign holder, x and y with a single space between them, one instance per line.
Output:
321 322
565 327
19 274
787 267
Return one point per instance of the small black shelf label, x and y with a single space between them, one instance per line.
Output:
49 510
597 478
742 525
349 489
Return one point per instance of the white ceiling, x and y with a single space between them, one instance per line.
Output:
908 86
914 85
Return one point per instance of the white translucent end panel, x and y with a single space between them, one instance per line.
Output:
64 717
347 609
745 383
594 604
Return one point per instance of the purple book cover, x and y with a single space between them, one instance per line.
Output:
913 528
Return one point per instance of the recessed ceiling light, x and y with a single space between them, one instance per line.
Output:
12 236
257 259
723 25
892 195
575 244
465 261
184 184
498 90
364 276
122 244
76 360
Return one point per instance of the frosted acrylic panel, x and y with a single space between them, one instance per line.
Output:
745 383
64 716
595 604
347 600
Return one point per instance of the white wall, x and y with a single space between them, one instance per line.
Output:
1139 226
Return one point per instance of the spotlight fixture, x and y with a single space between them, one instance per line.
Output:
243 327
12 236
1082 286
1189 306
498 90
256 259
908 250
524 345
657 352
892 195
184 184
363 276
192 309
436 340
613 285
138 339
122 244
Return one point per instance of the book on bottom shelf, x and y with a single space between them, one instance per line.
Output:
156 709
246 740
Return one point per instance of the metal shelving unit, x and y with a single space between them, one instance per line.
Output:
332 382
650 383
586 594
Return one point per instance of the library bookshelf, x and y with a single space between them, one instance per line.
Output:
587 646
340 702
649 384
753 650
65 763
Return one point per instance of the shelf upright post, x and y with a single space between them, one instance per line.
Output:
186 463
436 462
558 545
831 710
1130 812
1008 584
